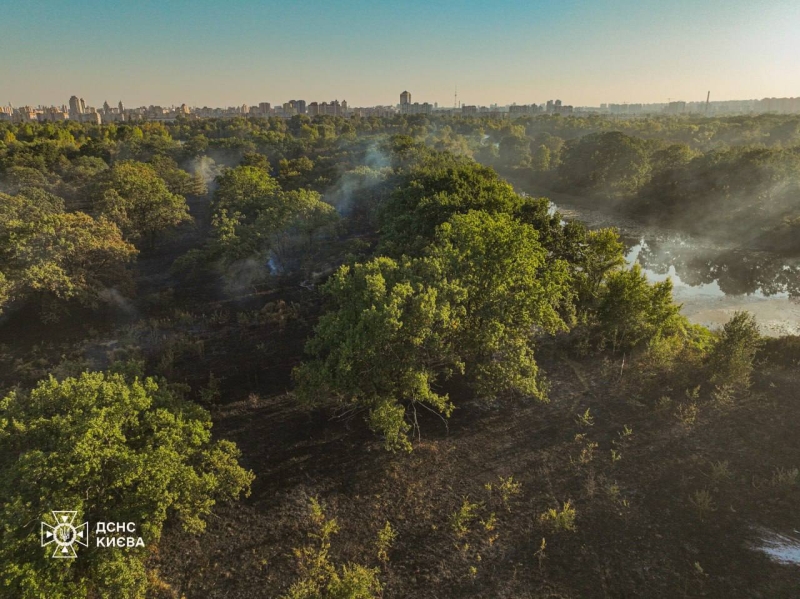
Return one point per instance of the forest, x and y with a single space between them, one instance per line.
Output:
362 358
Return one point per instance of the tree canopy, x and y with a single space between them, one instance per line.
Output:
114 449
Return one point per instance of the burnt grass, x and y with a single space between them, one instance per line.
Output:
638 530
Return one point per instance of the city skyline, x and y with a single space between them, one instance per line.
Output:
215 54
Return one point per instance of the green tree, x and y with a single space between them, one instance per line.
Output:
631 311
132 195
515 150
398 328
611 164
53 256
731 359
178 181
540 161
496 270
434 189
253 215
114 450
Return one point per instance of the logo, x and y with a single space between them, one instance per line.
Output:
65 534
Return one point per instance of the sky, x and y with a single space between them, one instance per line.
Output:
234 52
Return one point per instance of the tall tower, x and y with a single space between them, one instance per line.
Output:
74 105
405 98
83 106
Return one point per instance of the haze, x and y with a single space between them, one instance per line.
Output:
218 54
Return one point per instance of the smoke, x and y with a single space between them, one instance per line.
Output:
208 169
354 188
244 275
113 297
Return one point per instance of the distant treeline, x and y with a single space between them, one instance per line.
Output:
735 177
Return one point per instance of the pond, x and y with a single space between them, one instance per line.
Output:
711 281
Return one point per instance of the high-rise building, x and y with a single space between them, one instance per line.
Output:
83 106
74 106
106 107
405 98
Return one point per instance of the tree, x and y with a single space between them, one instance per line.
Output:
590 255
515 151
611 164
540 161
731 359
498 271
382 347
178 181
474 304
257 160
245 189
55 256
253 215
436 188
114 449
631 312
132 195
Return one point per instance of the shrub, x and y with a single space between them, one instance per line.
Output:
731 359
319 576
563 519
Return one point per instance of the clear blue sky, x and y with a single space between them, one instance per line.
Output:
368 51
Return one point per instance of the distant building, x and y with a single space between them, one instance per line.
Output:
74 107
405 98
516 111
675 108
92 117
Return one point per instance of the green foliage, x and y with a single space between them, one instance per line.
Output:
438 187
612 164
177 180
386 538
461 519
132 195
253 216
731 360
632 312
114 450
508 291
474 304
319 577
382 346
560 519
745 189
54 256
515 151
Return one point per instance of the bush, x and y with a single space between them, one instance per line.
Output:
731 359
319 576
